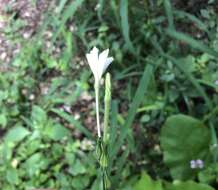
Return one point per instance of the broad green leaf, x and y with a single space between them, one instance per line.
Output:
77 168
183 139
6 153
146 182
38 114
57 132
16 134
33 164
12 176
80 182
189 185
3 120
188 63
64 181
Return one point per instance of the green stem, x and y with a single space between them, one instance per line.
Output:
107 102
97 108
101 153
102 143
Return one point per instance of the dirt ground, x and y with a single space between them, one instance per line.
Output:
26 17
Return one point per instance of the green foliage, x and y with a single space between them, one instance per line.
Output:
146 181
189 185
183 139
16 134
209 175
125 23
192 42
165 71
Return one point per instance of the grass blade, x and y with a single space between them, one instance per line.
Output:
125 24
67 14
193 19
169 13
114 125
191 41
70 11
126 130
74 122
121 162
100 8
61 5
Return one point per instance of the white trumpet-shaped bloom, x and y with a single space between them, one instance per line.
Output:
98 62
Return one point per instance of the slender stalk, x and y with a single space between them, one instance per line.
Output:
97 108
102 143
107 102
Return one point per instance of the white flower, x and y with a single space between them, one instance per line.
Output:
98 62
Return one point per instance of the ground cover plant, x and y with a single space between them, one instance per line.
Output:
162 130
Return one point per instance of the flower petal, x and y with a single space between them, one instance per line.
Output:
94 56
92 63
103 66
103 56
98 63
104 61
107 63
94 51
